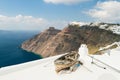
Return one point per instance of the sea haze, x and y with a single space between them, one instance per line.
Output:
10 51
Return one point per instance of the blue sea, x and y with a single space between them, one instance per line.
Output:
10 51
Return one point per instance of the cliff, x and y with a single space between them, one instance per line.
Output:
54 42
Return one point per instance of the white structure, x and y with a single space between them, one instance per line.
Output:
83 51
44 69
115 29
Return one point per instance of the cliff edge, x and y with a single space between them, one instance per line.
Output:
54 42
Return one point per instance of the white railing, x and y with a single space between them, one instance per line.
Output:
115 43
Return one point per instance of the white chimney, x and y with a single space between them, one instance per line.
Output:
83 51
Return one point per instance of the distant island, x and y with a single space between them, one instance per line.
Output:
54 42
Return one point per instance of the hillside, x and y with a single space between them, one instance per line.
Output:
53 42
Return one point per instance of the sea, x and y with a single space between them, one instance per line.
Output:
10 51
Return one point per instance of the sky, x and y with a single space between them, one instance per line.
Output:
41 14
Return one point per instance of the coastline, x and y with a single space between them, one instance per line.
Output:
32 53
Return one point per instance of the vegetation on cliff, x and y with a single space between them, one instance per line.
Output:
53 42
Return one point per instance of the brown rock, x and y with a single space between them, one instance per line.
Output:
53 42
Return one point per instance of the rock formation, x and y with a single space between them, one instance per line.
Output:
54 42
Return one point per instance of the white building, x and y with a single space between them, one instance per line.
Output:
104 68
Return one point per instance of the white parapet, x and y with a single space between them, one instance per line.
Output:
44 69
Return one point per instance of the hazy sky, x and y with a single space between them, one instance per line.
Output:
40 14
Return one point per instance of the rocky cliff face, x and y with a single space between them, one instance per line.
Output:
53 42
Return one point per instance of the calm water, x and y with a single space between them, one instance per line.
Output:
10 51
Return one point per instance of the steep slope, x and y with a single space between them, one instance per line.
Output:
37 44
69 39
